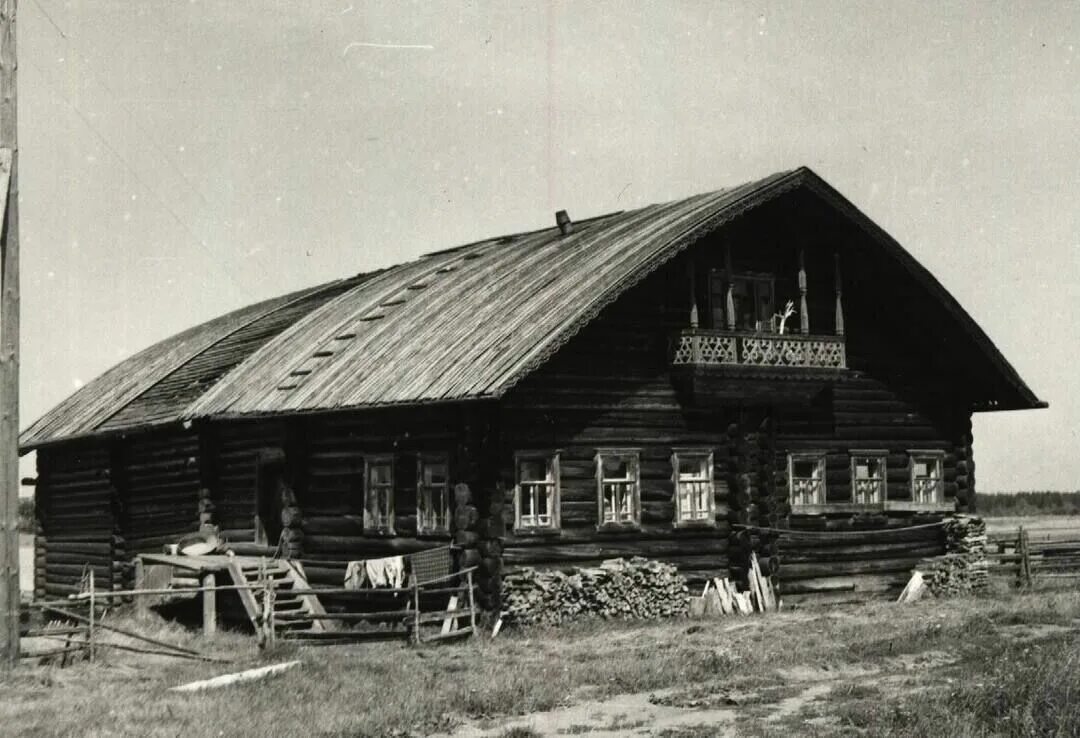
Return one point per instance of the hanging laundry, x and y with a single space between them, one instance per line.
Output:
374 573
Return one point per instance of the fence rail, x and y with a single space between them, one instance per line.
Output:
1029 557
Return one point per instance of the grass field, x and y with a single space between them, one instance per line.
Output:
1008 665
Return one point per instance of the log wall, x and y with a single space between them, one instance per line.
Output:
611 387
77 500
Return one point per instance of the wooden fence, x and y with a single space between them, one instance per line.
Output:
1032 556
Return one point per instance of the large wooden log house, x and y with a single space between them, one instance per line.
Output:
632 384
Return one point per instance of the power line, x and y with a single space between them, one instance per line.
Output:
149 139
143 183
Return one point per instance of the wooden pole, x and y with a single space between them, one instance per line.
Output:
90 625
9 345
209 604
839 297
804 309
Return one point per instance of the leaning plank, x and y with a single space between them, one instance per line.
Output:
915 589
240 676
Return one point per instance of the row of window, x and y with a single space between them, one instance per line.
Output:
869 477
432 494
618 486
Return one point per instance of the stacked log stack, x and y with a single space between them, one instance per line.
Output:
465 521
964 569
488 578
759 501
637 588
965 472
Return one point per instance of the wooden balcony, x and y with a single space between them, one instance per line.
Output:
700 347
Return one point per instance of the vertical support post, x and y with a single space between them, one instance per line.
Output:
141 608
729 289
93 614
9 344
209 604
416 612
804 310
472 603
692 276
839 297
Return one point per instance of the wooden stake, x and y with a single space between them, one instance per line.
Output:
209 605
9 343
90 626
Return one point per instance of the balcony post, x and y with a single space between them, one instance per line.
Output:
693 293
804 311
839 297
729 289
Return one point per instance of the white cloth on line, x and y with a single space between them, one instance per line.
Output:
373 573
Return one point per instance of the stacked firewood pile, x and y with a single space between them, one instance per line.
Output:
964 568
637 588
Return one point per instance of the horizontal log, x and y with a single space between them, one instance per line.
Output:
877 566
794 555
652 549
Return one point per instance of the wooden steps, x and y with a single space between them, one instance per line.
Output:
295 615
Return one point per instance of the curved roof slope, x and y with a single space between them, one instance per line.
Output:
466 323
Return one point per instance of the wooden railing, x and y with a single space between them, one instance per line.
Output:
732 348
1029 557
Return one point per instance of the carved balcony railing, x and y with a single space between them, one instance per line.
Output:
727 348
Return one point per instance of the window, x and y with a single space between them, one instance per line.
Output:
927 480
868 477
693 476
433 494
379 493
806 475
618 487
753 299
536 494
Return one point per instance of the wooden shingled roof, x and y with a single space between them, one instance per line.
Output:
462 324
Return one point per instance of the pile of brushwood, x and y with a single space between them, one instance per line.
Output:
618 588
964 568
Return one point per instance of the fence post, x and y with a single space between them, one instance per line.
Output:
93 615
209 604
416 615
1027 558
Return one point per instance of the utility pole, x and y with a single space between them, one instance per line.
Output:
9 343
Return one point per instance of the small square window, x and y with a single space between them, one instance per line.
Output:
868 477
927 476
618 487
536 494
806 476
433 494
379 494
694 501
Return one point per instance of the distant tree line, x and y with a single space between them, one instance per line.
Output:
1029 503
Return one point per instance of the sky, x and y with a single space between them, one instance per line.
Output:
181 159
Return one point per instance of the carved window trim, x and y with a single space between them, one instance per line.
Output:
933 482
817 484
625 492
526 517
878 457
378 498
699 508
432 500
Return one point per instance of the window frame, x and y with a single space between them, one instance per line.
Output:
551 463
678 455
370 526
726 278
634 454
938 458
878 454
423 460
820 457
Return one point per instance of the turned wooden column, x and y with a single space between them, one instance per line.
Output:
839 297
729 290
804 311
694 318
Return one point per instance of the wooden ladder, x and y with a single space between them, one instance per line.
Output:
294 614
